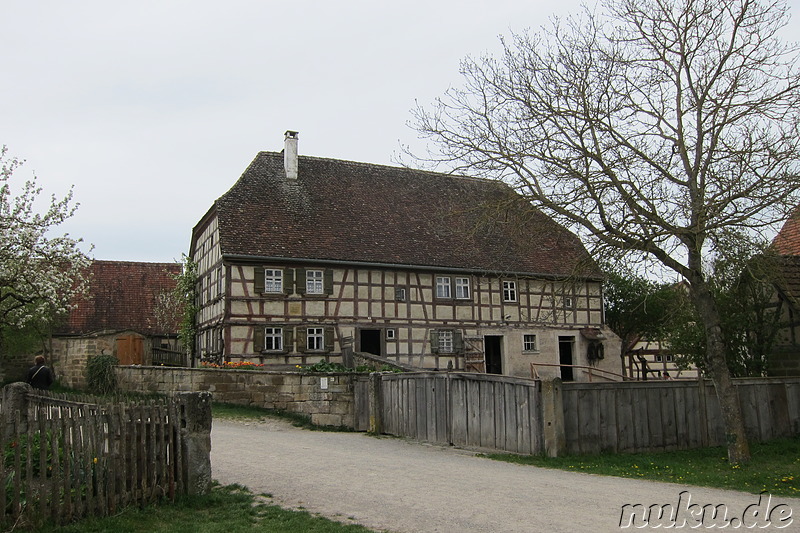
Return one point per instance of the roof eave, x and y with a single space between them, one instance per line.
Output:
256 259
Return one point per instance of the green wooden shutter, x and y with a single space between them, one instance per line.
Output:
458 342
329 332
302 339
258 338
288 280
327 283
434 341
288 339
259 280
300 281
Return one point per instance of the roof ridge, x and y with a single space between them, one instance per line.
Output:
388 167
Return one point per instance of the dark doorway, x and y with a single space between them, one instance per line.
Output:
493 349
369 340
565 357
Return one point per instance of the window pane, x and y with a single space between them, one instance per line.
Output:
314 284
273 280
462 288
315 339
510 291
529 343
442 287
273 338
445 341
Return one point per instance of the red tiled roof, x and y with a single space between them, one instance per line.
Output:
357 212
787 242
122 296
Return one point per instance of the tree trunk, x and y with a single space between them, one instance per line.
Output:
717 367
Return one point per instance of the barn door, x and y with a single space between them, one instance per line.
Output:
130 350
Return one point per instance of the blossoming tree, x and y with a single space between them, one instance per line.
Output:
40 272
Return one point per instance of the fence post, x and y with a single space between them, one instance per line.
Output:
15 400
197 441
555 442
375 403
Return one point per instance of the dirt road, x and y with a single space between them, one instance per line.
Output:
401 486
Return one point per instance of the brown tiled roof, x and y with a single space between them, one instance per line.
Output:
122 296
789 277
787 242
356 212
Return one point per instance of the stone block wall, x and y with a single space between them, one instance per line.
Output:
327 398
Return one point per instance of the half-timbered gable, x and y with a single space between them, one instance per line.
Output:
304 257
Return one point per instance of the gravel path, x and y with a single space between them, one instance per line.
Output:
402 486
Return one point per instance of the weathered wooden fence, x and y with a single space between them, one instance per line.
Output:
670 415
464 409
533 417
66 457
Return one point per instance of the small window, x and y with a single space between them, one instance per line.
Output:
400 294
529 343
273 339
462 289
568 302
315 339
390 334
443 287
314 282
659 359
669 359
273 280
445 341
509 291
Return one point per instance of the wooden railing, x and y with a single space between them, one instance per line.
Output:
590 371
164 357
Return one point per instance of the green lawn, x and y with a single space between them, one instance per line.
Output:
230 509
775 467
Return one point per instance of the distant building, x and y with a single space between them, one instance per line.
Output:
306 257
119 316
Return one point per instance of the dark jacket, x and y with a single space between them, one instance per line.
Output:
40 377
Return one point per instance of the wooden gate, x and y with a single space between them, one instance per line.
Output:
130 350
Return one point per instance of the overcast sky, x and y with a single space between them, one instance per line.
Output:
153 109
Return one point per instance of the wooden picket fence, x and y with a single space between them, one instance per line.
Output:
66 457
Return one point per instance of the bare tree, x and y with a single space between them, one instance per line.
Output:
652 128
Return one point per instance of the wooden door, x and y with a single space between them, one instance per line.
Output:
130 350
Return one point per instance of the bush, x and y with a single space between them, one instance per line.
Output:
101 377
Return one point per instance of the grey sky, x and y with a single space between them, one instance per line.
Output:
152 109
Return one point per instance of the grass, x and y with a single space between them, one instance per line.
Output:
775 467
231 411
228 509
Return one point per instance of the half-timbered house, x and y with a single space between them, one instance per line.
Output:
305 256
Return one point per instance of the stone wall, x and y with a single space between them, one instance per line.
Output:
327 398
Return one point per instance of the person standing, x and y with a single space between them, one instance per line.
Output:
39 375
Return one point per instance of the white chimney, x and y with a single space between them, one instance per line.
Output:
290 154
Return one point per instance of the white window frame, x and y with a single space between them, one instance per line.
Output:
315 339
443 288
462 289
446 341
529 342
509 291
273 280
390 334
315 282
273 339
